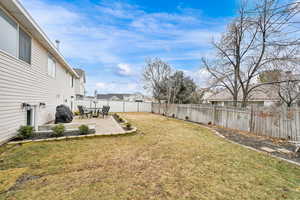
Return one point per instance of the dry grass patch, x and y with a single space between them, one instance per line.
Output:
166 159
9 177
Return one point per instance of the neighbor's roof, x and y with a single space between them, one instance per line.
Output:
15 8
262 93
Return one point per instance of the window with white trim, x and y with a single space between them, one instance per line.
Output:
13 39
51 66
8 34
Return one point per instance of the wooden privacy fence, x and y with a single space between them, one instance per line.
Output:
265 121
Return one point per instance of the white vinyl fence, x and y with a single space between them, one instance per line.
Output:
273 122
116 106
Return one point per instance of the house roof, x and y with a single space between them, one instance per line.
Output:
15 8
262 93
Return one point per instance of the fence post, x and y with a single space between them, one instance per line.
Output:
152 109
214 114
123 106
138 106
251 123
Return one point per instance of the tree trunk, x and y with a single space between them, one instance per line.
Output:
244 101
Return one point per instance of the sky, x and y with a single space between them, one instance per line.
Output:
110 40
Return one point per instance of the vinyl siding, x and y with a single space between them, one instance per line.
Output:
79 86
20 82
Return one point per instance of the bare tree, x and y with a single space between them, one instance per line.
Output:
259 38
289 89
223 76
155 76
231 51
271 44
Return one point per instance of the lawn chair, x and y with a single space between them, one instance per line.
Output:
98 113
105 111
84 112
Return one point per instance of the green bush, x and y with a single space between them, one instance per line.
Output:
84 129
58 130
121 120
128 126
25 132
118 118
76 113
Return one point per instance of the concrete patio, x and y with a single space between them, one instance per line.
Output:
103 126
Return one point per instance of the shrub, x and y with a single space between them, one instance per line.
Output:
128 126
25 132
121 120
58 130
186 118
84 129
173 115
118 118
76 113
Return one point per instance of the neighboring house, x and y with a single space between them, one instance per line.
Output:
35 77
80 84
265 95
137 97
110 97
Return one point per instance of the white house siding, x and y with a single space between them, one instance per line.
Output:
21 82
79 86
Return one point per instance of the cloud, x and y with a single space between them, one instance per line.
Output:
128 87
111 39
124 70
200 76
119 10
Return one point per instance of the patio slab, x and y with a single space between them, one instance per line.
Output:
104 126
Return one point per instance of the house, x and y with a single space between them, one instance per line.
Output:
136 97
110 97
80 84
35 77
265 95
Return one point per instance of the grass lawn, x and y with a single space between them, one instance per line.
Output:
166 159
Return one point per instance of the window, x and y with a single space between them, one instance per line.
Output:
13 39
8 34
24 46
51 66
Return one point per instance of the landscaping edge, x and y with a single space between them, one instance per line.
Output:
74 137
251 148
